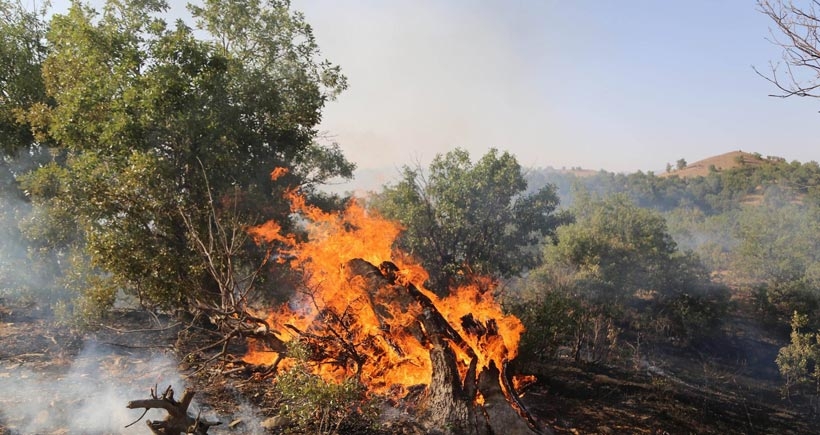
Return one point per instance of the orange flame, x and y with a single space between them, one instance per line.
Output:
278 173
391 356
520 382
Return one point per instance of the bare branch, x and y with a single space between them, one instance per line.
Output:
798 34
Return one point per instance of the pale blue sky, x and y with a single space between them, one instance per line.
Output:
615 85
618 85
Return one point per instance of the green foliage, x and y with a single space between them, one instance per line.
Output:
717 192
799 361
314 405
559 323
778 244
91 294
464 217
779 248
708 236
22 50
616 266
139 115
623 247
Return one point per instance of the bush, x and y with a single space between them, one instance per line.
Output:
776 301
548 321
694 314
314 405
570 319
799 362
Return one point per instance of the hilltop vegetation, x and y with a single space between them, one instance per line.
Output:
712 185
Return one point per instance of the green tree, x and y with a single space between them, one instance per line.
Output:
22 50
622 246
464 217
778 247
154 126
799 361
617 262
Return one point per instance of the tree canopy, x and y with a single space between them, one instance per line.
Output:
463 217
151 125
618 261
623 248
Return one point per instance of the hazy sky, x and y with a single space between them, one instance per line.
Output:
618 85
615 85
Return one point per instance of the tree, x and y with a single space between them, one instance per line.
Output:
618 261
798 34
778 247
680 164
140 115
464 217
22 50
799 361
624 247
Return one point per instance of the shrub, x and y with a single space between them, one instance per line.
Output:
314 405
799 362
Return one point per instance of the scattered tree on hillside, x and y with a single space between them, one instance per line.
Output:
463 217
714 193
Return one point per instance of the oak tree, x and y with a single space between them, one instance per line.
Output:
463 217
157 130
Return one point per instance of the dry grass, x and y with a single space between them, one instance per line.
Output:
721 162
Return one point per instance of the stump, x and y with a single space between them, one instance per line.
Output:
178 421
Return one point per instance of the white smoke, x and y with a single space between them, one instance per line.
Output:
90 398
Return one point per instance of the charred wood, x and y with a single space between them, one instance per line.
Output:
453 404
178 421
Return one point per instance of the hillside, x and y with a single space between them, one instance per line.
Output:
730 160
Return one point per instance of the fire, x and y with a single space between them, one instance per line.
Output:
380 343
520 382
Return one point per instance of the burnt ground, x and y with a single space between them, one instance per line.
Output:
55 382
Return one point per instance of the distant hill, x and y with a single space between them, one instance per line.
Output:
721 162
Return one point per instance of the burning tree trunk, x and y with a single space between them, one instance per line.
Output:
480 402
178 421
374 323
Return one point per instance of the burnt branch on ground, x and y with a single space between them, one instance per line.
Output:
177 421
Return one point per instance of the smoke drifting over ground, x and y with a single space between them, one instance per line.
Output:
90 397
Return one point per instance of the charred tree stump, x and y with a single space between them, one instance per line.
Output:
178 421
449 405
453 405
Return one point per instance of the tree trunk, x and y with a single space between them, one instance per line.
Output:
452 403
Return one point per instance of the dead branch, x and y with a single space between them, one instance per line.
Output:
798 34
220 245
178 421
452 400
